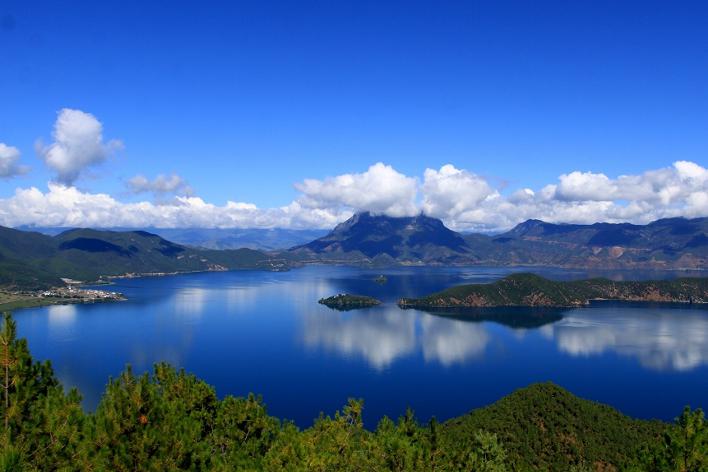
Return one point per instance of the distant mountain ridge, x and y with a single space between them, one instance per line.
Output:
32 259
261 239
674 243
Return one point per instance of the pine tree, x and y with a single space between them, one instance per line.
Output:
8 335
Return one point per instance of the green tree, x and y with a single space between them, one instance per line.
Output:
157 422
334 444
683 448
243 433
8 337
42 425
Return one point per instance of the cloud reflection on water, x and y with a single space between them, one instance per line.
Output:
665 339
660 339
382 335
449 341
61 315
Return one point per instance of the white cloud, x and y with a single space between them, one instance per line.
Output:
381 189
78 144
68 206
454 194
465 201
585 186
9 156
160 185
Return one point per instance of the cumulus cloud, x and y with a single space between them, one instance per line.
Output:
78 144
381 189
9 167
585 186
455 195
160 185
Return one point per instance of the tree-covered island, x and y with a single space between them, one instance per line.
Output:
344 301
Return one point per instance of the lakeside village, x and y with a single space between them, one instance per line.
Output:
81 294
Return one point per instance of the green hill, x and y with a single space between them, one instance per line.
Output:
544 427
32 260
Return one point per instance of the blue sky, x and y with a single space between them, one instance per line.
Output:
245 99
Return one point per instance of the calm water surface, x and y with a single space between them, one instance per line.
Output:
265 332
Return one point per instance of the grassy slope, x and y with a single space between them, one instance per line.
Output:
544 427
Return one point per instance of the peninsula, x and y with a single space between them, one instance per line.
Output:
533 291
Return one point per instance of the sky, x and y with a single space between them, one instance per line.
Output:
297 114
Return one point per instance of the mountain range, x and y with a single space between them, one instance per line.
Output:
32 259
674 243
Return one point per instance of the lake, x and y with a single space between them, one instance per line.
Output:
264 332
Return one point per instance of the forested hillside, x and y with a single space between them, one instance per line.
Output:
530 290
32 260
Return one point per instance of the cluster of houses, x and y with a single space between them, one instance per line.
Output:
81 293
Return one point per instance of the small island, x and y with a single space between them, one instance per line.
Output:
530 290
345 302
381 280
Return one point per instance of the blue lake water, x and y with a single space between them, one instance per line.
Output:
264 332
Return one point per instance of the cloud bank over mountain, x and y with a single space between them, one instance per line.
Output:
462 199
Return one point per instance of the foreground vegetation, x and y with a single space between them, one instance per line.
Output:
170 420
532 290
